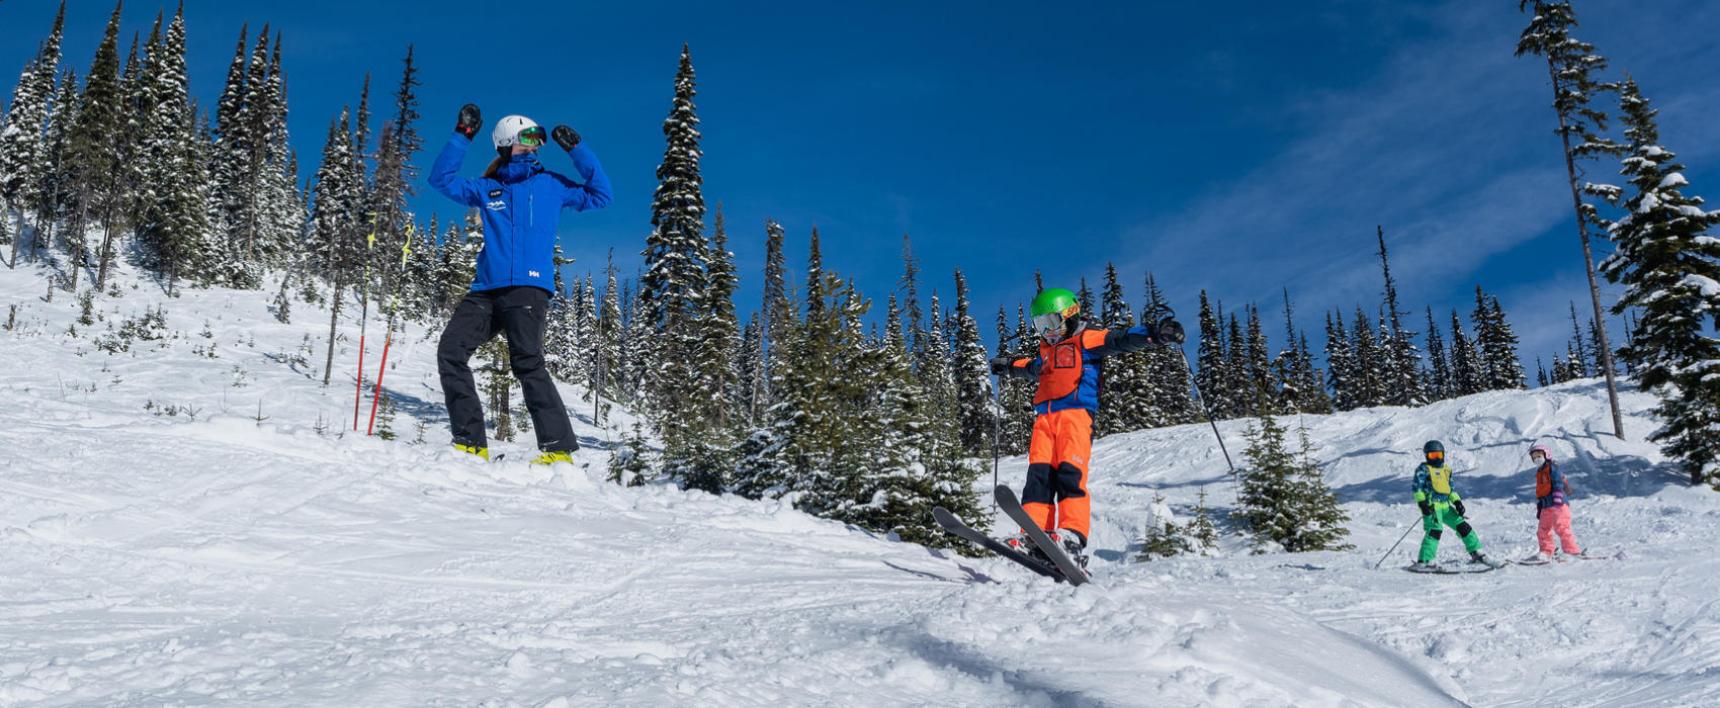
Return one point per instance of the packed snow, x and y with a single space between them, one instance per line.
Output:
193 521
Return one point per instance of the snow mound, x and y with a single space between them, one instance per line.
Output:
186 522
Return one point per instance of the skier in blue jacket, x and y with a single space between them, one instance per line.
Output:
521 203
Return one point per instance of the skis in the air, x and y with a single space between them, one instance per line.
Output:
1071 571
951 523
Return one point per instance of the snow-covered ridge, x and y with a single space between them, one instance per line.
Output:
160 544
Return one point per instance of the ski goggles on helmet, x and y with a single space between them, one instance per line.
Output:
1436 457
1050 325
531 137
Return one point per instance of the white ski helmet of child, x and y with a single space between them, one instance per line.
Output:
508 130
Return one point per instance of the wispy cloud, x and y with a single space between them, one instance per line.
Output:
1449 146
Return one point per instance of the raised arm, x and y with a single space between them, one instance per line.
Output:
442 173
592 191
1015 368
450 185
1122 341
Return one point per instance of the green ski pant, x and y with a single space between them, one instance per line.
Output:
1444 515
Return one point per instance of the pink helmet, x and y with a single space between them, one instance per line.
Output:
1538 447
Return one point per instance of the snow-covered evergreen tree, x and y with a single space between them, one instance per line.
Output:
1240 385
1500 364
339 197
672 290
914 468
1340 363
1263 395
1283 499
1670 267
1467 374
1166 370
1439 364
1370 363
701 458
24 162
607 371
777 311
54 200
395 175
721 341
1402 385
1016 429
1163 537
750 372
969 370
1576 349
1213 377
1201 530
137 88
1572 68
94 163
1128 390
1084 297
174 222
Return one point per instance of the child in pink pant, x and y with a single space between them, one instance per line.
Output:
1551 509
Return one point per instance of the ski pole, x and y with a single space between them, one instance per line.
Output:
996 433
393 307
1394 546
1206 409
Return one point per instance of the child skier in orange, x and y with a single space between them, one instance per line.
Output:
1068 370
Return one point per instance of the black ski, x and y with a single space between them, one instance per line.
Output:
1007 501
1455 569
956 526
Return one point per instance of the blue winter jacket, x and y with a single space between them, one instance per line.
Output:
521 209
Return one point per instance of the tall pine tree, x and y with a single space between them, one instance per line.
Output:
1571 68
1671 271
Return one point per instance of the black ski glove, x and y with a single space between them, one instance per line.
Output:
1001 364
565 137
1458 505
1169 331
469 122
1426 507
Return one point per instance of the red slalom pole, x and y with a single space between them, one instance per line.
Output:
388 338
363 320
380 370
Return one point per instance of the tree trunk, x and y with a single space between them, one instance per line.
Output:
107 255
1588 260
17 236
333 319
76 243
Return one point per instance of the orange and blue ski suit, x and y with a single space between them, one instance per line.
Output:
1069 375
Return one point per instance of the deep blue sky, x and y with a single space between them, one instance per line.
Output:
1239 147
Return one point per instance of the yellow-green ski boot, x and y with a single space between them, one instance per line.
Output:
550 458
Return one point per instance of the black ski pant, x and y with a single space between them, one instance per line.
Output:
521 314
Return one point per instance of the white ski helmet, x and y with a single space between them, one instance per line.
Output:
508 130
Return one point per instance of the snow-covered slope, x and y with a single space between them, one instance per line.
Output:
149 558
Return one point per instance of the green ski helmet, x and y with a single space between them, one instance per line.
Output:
1052 309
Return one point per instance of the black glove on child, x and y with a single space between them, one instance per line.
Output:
1001 364
1458 505
1426 507
469 122
565 137
1169 331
